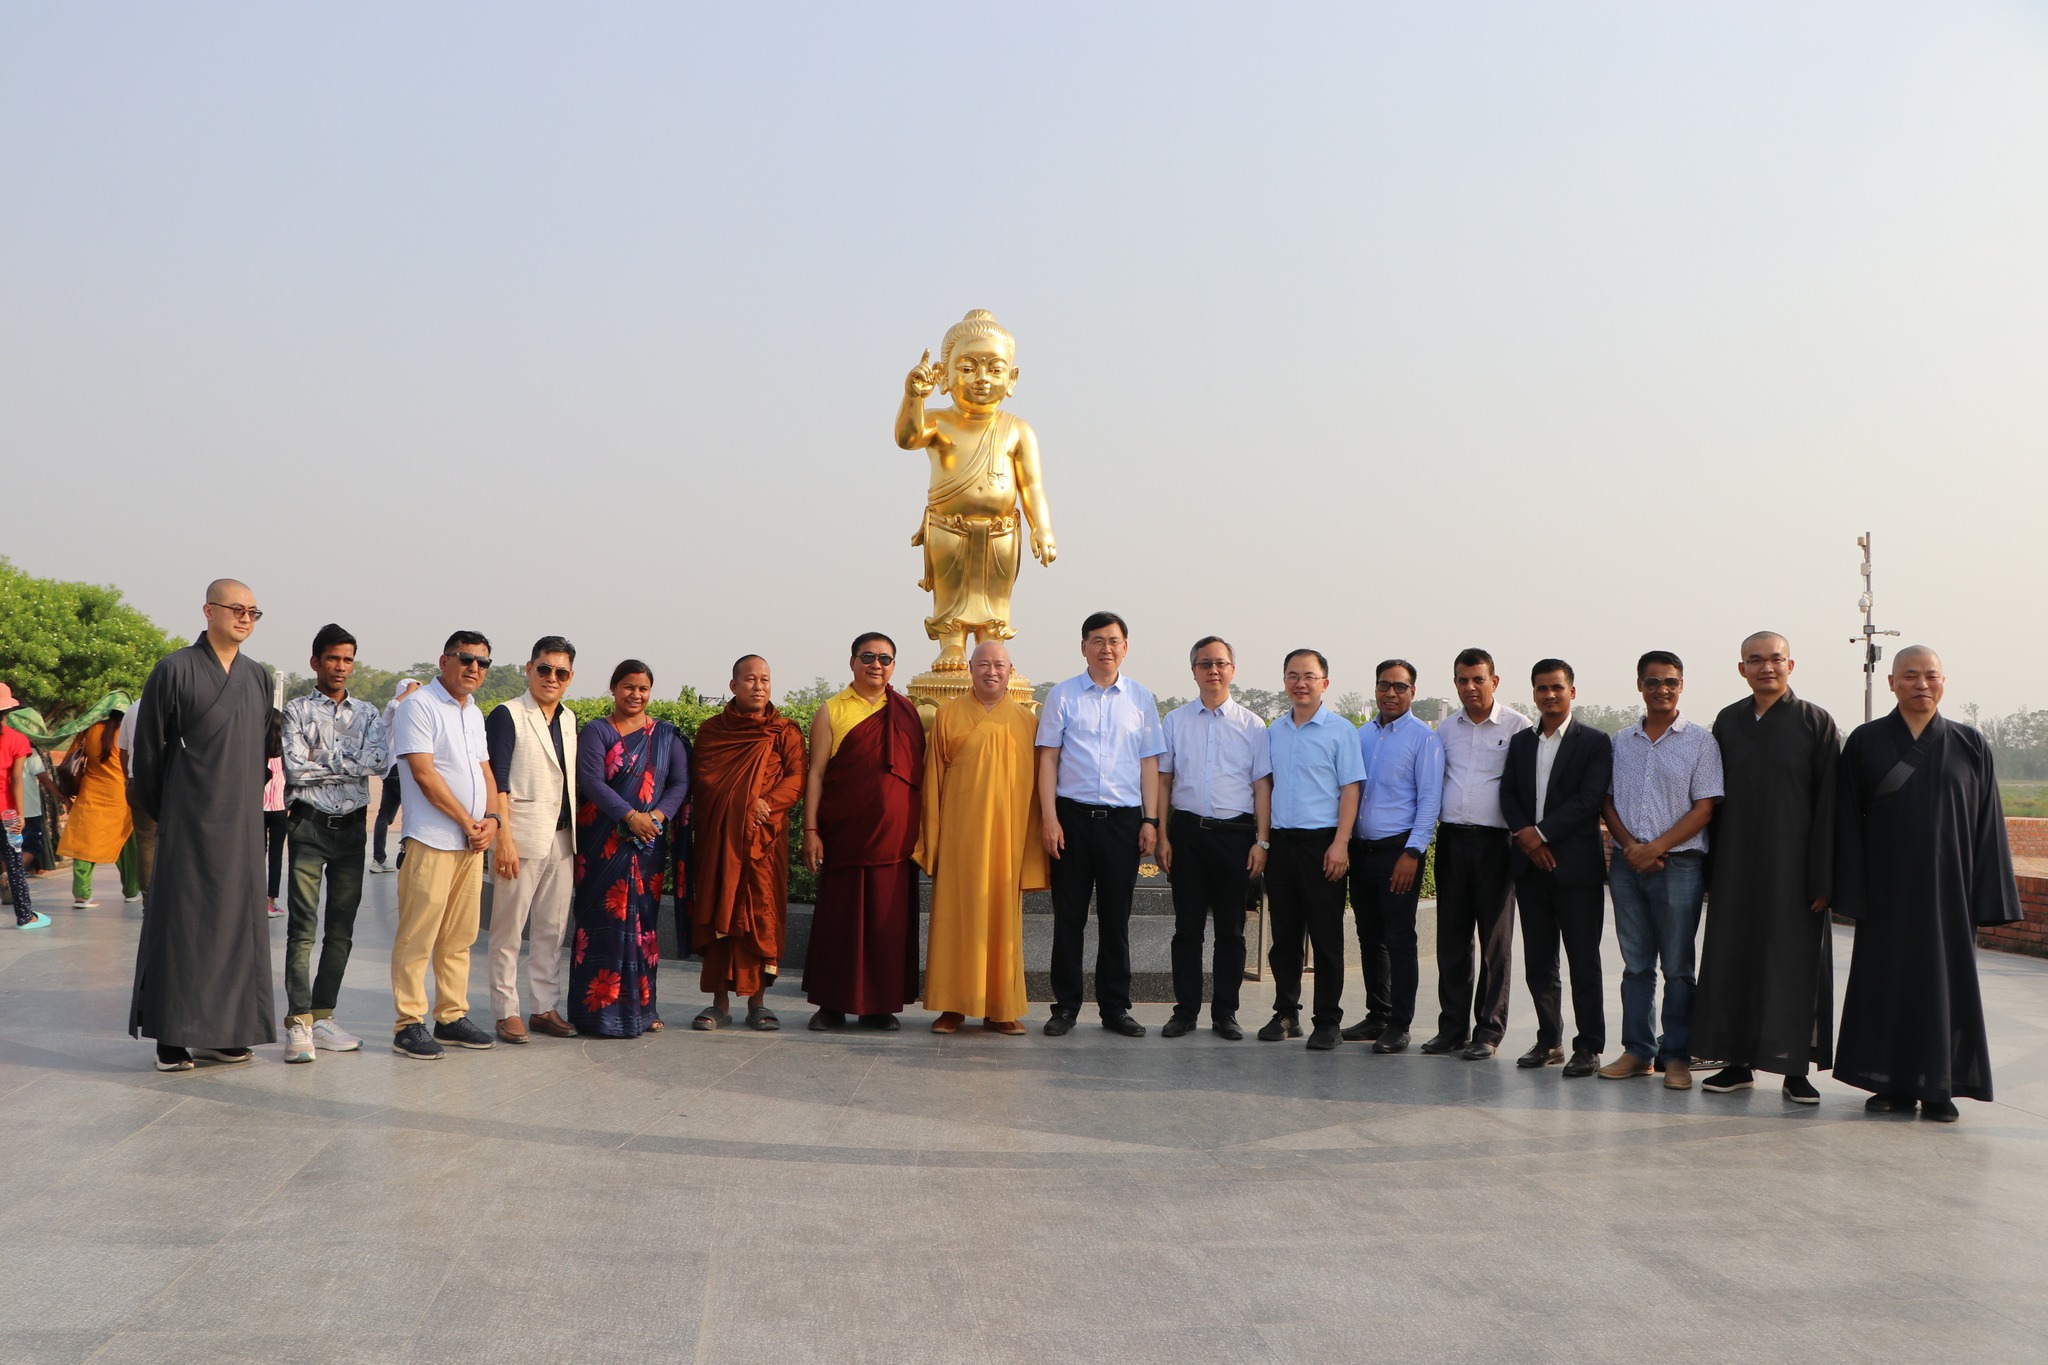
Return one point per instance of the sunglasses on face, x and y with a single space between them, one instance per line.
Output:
546 671
1663 684
1394 687
868 656
241 613
472 660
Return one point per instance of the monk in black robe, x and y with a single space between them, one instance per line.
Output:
1921 861
1767 972
202 970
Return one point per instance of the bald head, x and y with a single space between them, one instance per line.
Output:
230 613
753 691
1766 665
1763 640
990 669
1916 681
1920 656
229 590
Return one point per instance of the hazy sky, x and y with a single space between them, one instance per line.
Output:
1387 329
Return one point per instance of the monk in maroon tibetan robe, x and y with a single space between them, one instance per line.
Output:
862 806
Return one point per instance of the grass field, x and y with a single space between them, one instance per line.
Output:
2025 799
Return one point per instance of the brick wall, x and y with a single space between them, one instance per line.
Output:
2029 840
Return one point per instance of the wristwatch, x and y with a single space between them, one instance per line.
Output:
1266 844
1152 820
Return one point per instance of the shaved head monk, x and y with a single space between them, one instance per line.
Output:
749 772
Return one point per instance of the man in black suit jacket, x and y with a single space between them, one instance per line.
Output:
1557 863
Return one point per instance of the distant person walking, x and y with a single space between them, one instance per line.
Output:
100 824
15 787
276 821
390 790
202 969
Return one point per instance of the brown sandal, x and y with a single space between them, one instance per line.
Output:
949 1022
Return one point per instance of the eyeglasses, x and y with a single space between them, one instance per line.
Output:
1293 678
1393 687
868 656
1213 664
241 613
472 660
1660 684
544 670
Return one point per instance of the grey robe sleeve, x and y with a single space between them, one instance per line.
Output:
156 728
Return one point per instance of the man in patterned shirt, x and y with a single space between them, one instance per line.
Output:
1667 780
332 745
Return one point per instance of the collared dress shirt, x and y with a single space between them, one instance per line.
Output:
1404 781
1215 755
1103 734
430 721
331 750
1312 764
1546 759
1655 784
1475 756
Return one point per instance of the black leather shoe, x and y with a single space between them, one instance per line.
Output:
1225 1026
1583 1063
886 1023
1939 1111
1386 1043
1890 1104
1057 1026
1540 1055
1324 1038
1177 1027
1365 1030
1441 1044
1278 1027
826 1020
1478 1052
1124 1024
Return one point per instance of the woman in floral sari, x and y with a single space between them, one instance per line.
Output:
632 776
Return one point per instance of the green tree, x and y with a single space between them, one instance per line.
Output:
63 645
814 696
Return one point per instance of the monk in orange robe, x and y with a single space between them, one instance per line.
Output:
748 771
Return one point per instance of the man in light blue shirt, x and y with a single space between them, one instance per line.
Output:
1404 786
1099 742
1317 772
1216 780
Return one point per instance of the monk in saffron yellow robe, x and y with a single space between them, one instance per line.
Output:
980 843
747 773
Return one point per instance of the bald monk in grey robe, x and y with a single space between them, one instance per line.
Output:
202 969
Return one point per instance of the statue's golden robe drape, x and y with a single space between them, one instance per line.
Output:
981 844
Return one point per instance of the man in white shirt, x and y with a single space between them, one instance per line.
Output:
453 814
1216 781
1473 894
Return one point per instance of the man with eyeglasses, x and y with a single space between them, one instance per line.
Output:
1767 973
333 743
1216 781
1667 780
1404 786
202 969
1099 743
454 813
1317 773
532 742
863 798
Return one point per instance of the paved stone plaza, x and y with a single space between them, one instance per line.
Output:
905 1198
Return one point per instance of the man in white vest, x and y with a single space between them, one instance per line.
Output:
532 742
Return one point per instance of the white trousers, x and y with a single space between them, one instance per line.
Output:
541 892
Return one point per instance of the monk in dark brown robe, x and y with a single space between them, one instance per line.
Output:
749 772
862 809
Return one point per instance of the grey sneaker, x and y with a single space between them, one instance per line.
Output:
329 1036
414 1041
298 1042
379 865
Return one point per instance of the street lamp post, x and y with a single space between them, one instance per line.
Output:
1872 651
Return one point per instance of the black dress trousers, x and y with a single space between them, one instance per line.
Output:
1210 881
1386 931
1302 902
1473 897
1100 861
1553 912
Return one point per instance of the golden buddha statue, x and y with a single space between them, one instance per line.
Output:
984 467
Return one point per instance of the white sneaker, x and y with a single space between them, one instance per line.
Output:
85 905
379 865
131 900
333 1037
272 910
298 1042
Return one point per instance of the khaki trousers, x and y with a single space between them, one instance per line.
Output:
439 903
542 891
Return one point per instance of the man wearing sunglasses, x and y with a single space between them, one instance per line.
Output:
532 740
454 812
862 799
1404 787
1667 780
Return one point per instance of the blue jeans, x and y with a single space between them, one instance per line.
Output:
1657 923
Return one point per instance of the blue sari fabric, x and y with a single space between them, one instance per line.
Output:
618 880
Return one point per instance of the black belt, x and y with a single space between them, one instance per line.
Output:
1390 841
1095 812
1212 822
1302 836
1491 831
321 817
